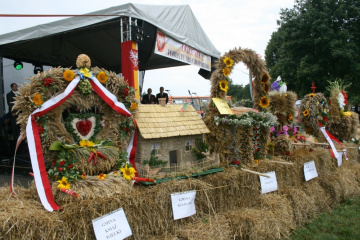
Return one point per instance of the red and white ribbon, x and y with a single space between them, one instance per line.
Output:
326 135
34 141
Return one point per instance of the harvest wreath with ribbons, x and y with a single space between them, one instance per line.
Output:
74 125
240 137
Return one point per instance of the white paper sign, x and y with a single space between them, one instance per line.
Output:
310 170
183 204
339 158
113 225
268 184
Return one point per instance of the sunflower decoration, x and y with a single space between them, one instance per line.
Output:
264 78
133 106
68 75
306 112
128 172
311 95
224 85
37 99
290 117
86 143
228 62
264 102
63 183
102 77
226 71
266 88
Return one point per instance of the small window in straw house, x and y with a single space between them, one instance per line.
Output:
156 148
189 144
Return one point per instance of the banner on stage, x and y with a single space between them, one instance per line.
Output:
168 47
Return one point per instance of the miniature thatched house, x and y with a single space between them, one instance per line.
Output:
169 133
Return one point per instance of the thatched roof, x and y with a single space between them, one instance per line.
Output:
156 121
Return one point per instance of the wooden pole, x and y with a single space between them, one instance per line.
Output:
323 144
301 144
253 172
280 162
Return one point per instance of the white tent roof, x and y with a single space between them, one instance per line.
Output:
176 21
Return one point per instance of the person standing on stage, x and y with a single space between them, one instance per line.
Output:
148 98
162 95
10 97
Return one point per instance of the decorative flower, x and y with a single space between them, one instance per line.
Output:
86 143
133 106
325 119
101 176
290 117
224 85
60 169
311 95
37 99
85 72
102 77
48 81
226 71
266 88
305 113
229 62
62 163
70 166
63 184
256 161
68 75
285 128
39 127
83 176
128 173
235 162
264 78
264 102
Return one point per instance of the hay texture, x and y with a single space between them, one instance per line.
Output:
343 123
228 204
282 105
313 110
242 138
61 124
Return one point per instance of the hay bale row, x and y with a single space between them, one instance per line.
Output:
228 204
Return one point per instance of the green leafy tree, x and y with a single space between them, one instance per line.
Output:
317 41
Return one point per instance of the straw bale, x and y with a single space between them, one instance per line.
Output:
333 187
273 219
303 206
348 180
321 198
228 204
210 227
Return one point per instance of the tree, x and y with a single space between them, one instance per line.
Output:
317 41
235 91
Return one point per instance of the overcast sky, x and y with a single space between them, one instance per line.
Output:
228 24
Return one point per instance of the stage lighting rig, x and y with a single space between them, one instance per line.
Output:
18 65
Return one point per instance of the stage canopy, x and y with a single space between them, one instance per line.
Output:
59 43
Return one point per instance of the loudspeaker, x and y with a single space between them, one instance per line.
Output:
205 73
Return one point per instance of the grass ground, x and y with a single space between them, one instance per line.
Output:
342 223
